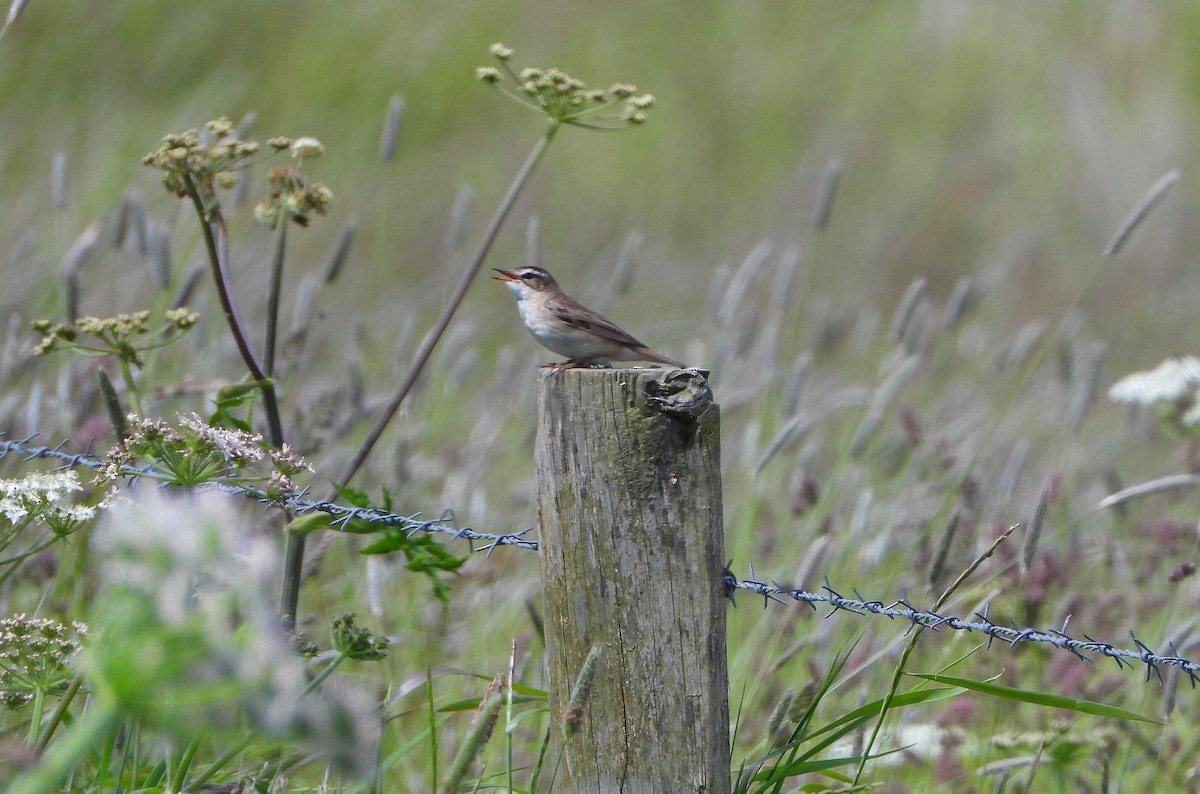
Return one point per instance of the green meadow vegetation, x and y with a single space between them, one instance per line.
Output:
938 257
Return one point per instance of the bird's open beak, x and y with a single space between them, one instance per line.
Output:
505 275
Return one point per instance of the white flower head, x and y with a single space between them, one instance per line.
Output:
307 149
38 494
236 445
13 510
1169 382
42 486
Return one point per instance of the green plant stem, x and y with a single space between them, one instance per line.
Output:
273 295
321 676
432 338
430 715
56 718
130 386
39 703
57 766
219 764
537 767
293 573
212 226
185 763
509 725
14 562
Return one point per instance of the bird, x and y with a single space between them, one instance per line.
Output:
565 326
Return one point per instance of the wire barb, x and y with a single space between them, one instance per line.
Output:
341 515
901 608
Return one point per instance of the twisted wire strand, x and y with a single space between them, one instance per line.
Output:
446 524
901 608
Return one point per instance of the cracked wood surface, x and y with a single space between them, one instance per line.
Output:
632 553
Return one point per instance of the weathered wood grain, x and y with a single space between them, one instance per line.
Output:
632 552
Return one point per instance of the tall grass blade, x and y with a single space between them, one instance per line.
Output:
1036 698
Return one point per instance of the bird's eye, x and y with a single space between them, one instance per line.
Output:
528 276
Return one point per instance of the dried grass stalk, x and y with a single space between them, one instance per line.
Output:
627 261
1155 194
533 242
906 307
340 251
58 180
827 193
460 213
961 297
737 287
390 140
1029 547
1174 482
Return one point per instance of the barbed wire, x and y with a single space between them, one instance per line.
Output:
1013 635
446 524
901 608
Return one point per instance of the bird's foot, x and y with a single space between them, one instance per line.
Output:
565 365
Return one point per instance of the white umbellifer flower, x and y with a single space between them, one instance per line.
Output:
75 513
307 148
12 509
235 445
41 487
1170 381
38 495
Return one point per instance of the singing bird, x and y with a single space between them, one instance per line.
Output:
568 328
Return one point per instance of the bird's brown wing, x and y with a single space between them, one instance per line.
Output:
578 316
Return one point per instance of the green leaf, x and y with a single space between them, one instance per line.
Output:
1037 698
353 496
470 704
309 522
422 552
233 396
807 767
871 709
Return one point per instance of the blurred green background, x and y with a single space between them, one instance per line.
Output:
968 131
1004 142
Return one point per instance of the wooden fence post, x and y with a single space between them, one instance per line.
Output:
632 553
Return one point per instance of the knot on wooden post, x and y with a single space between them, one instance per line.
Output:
682 393
632 551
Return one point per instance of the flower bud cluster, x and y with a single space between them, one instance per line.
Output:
125 336
566 99
291 194
35 654
198 162
201 160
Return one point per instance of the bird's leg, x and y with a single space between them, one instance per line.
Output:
572 364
